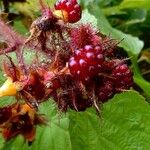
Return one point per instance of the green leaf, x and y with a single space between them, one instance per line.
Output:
30 7
127 4
87 18
125 124
20 28
53 136
145 85
136 16
139 80
114 10
135 4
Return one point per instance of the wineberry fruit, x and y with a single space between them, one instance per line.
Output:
86 62
106 90
72 8
5 113
122 76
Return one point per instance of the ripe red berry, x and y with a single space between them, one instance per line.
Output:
5 114
105 91
86 62
122 76
71 7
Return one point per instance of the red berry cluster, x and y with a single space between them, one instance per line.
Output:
122 77
93 68
71 7
116 78
79 71
86 62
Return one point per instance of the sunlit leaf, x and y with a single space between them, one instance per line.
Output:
124 124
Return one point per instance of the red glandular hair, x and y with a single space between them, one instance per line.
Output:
78 72
84 35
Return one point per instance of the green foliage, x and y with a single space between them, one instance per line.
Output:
127 4
53 136
19 27
135 4
31 7
124 124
